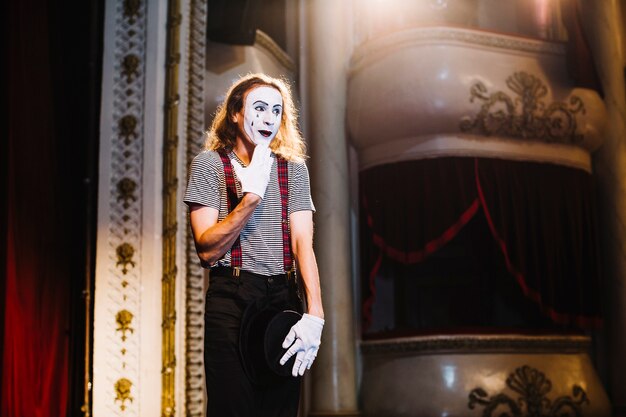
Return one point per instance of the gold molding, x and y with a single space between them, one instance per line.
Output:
170 188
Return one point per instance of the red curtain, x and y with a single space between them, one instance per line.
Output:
541 216
35 345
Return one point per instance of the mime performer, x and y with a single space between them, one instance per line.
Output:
251 216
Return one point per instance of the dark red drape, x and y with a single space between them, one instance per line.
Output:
35 345
541 216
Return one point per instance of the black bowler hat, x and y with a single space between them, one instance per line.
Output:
263 329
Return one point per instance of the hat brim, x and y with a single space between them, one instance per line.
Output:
263 330
277 330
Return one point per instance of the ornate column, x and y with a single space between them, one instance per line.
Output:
333 380
603 27
139 332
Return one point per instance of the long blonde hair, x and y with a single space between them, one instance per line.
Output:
288 142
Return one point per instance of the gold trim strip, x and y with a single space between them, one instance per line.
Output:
170 188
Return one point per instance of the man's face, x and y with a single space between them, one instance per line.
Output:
262 112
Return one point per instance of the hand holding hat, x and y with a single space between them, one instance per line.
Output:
255 177
303 340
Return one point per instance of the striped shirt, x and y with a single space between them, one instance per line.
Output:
261 238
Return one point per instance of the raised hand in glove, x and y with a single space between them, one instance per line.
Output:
256 175
303 340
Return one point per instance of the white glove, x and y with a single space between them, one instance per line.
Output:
307 333
256 175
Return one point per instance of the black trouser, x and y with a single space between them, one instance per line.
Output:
230 392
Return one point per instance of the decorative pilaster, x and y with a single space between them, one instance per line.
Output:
117 322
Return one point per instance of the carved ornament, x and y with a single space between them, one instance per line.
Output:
532 386
123 319
126 191
122 390
128 128
125 253
525 115
131 10
130 67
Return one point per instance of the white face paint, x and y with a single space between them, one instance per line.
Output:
262 114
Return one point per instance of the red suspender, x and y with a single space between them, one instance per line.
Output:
283 184
233 200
